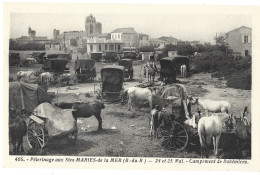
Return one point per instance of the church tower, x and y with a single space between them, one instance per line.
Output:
91 26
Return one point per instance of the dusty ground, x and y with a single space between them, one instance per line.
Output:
130 134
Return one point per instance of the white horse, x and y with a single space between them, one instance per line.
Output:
211 127
24 74
47 76
137 93
213 106
183 71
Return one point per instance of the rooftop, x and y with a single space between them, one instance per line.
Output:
128 30
240 28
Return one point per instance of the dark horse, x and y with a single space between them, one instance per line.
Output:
85 110
151 73
17 130
243 135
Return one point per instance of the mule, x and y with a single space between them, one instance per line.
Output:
211 127
213 106
137 93
17 130
85 110
243 135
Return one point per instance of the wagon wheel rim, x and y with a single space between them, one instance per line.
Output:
36 136
174 138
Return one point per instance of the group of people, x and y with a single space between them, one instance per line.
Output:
149 64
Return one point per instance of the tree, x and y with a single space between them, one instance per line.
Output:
221 42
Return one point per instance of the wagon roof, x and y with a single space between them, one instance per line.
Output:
126 60
113 67
177 90
26 96
56 64
84 63
175 58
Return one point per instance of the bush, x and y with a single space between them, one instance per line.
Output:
236 71
240 80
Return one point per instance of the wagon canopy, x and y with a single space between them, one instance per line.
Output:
173 62
55 65
58 55
84 64
60 122
112 78
128 63
26 96
175 94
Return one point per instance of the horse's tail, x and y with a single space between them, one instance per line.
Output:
202 134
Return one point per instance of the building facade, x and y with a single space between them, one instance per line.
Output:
128 36
102 45
23 40
143 40
92 26
56 34
53 46
240 41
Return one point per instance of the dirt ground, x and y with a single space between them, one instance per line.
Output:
125 133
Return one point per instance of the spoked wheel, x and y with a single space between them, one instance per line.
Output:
173 138
36 135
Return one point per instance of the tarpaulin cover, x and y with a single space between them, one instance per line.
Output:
112 78
84 64
174 62
127 63
55 65
59 123
175 94
26 96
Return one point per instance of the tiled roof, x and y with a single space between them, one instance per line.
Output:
24 37
40 38
240 28
128 30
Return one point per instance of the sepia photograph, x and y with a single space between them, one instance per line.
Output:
93 84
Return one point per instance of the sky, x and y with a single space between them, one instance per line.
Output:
187 27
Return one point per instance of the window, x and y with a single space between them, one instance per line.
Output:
105 47
245 39
246 52
91 48
111 47
118 47
118 36
99 47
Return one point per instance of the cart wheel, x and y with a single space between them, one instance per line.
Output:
174 138
36 136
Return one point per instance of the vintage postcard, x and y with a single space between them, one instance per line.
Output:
131 86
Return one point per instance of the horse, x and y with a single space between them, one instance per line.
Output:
47 76
24 74
213 106
243 134
134 93
84 110
17 130
151 73
183 71
211 127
